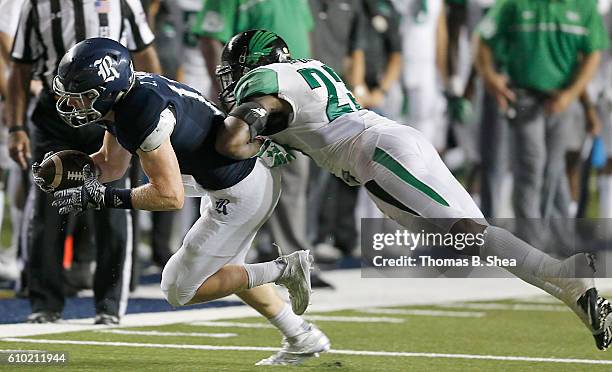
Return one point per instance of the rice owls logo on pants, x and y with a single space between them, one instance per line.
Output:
221 206
106 68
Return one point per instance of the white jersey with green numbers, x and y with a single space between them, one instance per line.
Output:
318 98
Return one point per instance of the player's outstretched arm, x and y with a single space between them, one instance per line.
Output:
165 188
163 192
237 137
112 160
234 139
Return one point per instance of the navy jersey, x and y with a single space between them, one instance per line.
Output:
137 115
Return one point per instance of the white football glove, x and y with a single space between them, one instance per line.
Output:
78 199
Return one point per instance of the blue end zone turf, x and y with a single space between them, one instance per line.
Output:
17 310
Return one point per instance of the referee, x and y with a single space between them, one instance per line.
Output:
47 29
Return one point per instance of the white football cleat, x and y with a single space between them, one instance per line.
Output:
300 348
296 278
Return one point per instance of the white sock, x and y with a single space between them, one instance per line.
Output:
262 273
289 324
605 196
572 209
539 269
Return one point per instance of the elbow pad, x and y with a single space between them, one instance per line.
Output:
254 114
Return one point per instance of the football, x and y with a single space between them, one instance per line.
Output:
64 169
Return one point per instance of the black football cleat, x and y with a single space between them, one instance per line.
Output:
106 319
42 317
599 313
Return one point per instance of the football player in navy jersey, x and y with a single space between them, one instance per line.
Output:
172 129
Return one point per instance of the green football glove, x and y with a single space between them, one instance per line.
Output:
460 109
274 154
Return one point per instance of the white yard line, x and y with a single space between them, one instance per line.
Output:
168 334
542 300
423 312
352 292
318 318
232 324
496 306
339 352
353 319
8 351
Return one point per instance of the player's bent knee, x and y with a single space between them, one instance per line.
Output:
175 293
467 226
170 293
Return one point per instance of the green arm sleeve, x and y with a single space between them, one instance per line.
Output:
597 37
493 26
259 82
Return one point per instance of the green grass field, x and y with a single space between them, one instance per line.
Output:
493 329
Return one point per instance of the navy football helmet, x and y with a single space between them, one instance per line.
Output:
92 76
244 52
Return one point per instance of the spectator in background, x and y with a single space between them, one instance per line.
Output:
493 135
424 71
46 30
377 65
9 16
218 21
192 69
193 72
551 50
331 202
165 21
601 93
377 57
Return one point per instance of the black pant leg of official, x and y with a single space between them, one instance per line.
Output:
328 213
160 236
45 255
46 228
135 180
345 231
114 258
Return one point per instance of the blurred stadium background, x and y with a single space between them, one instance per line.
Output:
415 61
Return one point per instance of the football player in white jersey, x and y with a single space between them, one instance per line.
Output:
193 68
424 46
305 105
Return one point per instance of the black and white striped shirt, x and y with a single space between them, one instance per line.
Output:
48 28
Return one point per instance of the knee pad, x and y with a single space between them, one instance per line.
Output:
175 295
168 283
174 289
170 294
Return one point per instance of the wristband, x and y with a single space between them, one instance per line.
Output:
360 90
254 114
118 198
17 128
